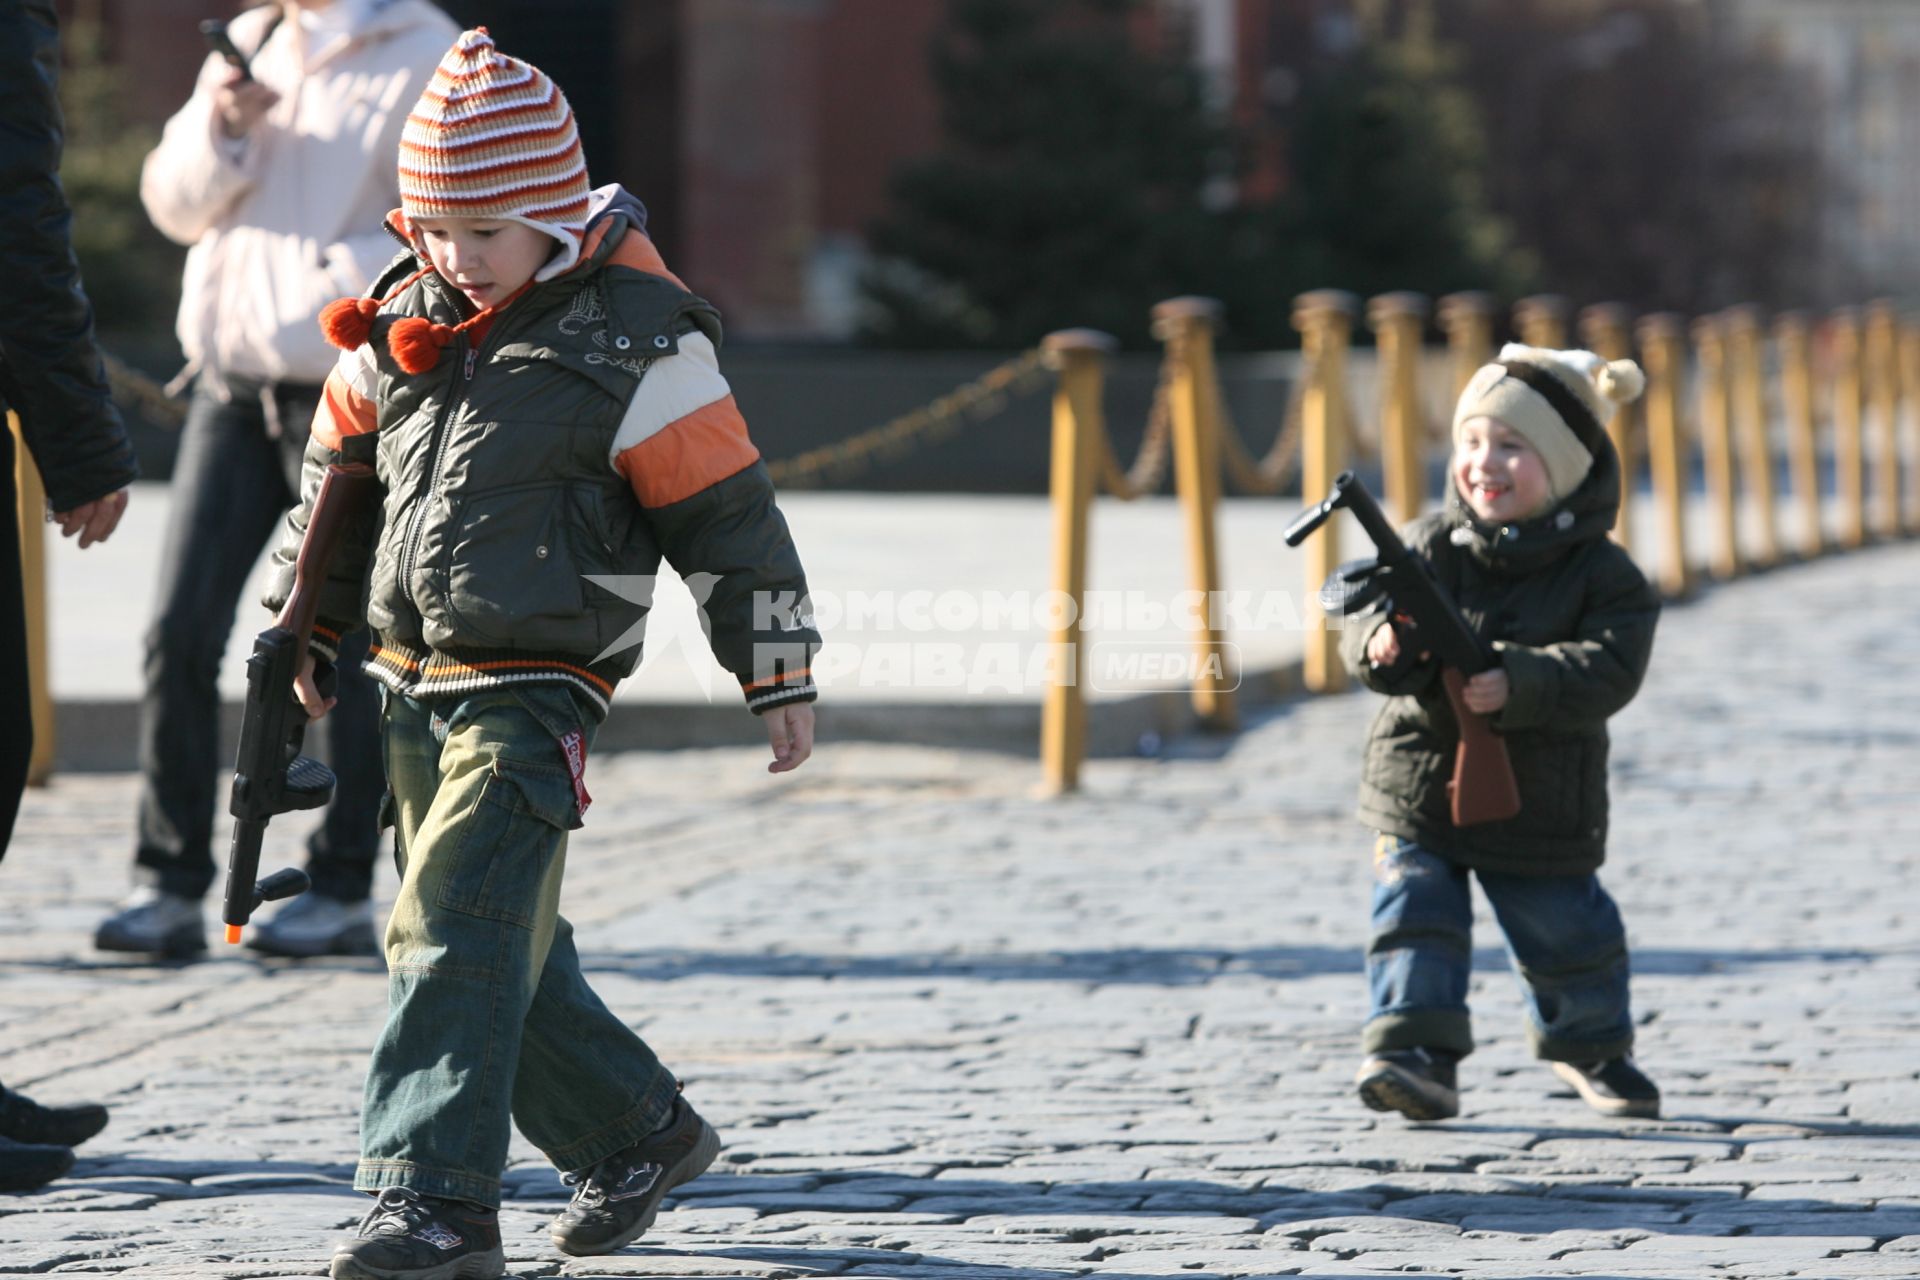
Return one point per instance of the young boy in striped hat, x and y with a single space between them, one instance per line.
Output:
540 398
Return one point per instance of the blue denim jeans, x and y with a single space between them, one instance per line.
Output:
490 1022
235 476
1564 939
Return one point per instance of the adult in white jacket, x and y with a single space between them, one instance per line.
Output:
274 181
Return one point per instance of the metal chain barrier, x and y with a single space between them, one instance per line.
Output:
974 401
1270 474
135 391
1150 464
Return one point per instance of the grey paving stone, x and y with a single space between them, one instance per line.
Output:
951 1030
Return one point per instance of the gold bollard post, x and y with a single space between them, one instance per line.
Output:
1716 444
1607 329
1397 320
1791 333
1467 320
1541 320
1325 321
31 511
1187 326
1664 356
1883 389
1849 444
1747 374
1910 393
1080 357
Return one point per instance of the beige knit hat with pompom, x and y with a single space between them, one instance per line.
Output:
1559 400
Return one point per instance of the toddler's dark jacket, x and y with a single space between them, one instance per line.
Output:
1572 619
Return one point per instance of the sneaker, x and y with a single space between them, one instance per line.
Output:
24 1120
408 1236
1615 1087
314 924
154 923
25 1165
619 1198
1418 1083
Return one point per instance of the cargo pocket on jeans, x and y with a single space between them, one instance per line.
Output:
509 842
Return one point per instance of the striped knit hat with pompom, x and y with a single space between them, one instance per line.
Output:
493 137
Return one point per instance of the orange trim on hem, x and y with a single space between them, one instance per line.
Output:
771 681
440 665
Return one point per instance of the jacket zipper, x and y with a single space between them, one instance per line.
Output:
456 397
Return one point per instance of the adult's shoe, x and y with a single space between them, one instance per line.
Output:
1418 1083
408 1236
314 924
1616 1087
152 922
26 1165
616 1200
24 1120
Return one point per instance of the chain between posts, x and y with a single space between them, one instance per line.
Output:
1280 465
977 400
1149 467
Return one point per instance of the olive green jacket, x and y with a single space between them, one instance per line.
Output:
535 479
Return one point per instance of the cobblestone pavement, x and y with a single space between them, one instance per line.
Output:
953 1032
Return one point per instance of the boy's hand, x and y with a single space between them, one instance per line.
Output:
307 695
1487 692
790 730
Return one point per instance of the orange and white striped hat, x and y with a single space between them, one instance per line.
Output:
493 137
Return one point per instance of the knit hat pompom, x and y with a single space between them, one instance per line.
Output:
493 137
1620 381
348 322
416 343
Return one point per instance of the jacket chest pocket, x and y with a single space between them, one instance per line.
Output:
514 570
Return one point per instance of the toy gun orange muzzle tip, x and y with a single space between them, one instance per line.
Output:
233 934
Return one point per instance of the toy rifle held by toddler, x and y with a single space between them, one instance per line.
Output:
271 777
1482 789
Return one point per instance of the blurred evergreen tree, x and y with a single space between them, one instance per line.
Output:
1388 171
1069 190
131 271
1083 178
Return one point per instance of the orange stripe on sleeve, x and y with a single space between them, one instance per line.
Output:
688 454
342 412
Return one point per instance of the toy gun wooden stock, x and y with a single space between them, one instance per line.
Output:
271 777
1482 789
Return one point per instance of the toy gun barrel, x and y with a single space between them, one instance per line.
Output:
270 776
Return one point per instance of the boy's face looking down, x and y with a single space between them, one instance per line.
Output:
1501 476
485 258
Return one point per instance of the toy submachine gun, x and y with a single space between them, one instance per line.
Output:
1482 789
271 777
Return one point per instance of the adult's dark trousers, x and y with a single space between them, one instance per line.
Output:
16 707
237 473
